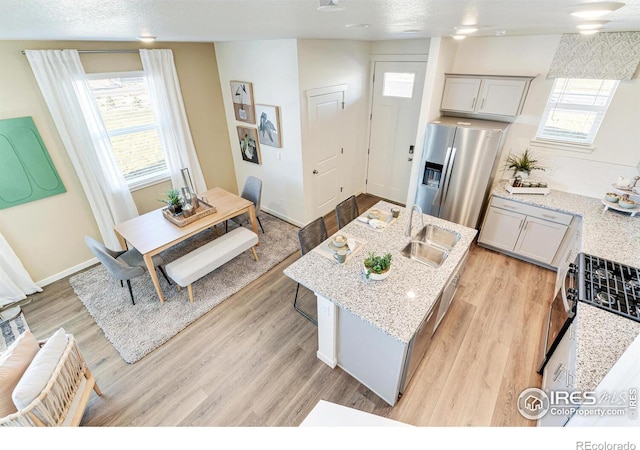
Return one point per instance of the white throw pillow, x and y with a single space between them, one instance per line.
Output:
39 372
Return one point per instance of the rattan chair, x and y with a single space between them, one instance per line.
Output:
123 265
56 405
309 237
346 211
252 190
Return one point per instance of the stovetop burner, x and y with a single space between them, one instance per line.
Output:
605 299
603 274
610 286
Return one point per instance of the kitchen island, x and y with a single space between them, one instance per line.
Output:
383 316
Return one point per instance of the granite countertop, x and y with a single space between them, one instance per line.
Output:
397 305
601 335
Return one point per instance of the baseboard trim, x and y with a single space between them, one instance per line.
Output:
282 217
67 272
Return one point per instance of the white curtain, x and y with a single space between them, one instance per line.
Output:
175 134
15 282
62 80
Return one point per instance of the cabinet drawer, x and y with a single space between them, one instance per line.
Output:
530 210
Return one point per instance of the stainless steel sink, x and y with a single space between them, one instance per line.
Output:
425 253
438 236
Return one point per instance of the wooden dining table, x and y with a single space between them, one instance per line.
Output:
152 233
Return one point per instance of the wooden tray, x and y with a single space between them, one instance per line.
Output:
204 209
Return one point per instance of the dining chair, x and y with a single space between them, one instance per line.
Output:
252 191
123 264
346 211
309 237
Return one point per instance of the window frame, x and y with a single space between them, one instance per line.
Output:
150 179
585 145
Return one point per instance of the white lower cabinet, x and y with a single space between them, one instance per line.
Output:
559 376
525 231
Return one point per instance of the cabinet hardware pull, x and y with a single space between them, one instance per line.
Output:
315 172
558 372
509 206
571 379
482 104
549 216
473 103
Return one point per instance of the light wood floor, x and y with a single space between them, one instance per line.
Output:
251 360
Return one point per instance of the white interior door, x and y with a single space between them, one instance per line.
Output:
325 137
397 96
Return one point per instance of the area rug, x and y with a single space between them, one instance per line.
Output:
136 330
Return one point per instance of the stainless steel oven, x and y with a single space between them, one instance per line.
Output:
598 282
561 312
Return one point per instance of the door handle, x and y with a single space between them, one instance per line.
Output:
410 159
437 200
315 172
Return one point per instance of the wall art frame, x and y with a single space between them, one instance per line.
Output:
249 145
269 128
243 105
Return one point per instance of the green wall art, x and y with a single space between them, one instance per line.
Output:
26 170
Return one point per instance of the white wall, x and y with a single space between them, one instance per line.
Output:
325 63
617 143
272 67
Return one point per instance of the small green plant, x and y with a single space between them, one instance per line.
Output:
523 163
377 264
173 200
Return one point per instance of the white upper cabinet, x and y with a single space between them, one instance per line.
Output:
485 95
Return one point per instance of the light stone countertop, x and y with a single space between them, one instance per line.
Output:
398 304
602 336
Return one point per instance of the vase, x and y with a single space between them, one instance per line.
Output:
522 174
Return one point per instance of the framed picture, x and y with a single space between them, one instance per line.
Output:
269 131
249 146
242 96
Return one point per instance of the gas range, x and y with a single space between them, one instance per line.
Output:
610 286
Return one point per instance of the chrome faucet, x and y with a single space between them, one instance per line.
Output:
409 224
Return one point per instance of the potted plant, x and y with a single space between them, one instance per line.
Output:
173 201
523 164
377 267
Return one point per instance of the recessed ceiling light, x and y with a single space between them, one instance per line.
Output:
595 10
587 32
501 32
329 6
591 25
466 29
357 25
458 37
147 39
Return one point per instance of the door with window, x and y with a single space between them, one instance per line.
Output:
397 96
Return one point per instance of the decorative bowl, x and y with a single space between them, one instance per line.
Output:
376 276
611 197
339 240
626 203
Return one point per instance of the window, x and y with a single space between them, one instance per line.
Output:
124 103
575 109
398 84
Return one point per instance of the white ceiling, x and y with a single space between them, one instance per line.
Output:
224 20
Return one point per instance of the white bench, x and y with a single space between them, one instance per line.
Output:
198 263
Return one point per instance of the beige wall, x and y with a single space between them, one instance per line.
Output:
47 234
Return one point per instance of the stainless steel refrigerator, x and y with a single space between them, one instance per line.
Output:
459 163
